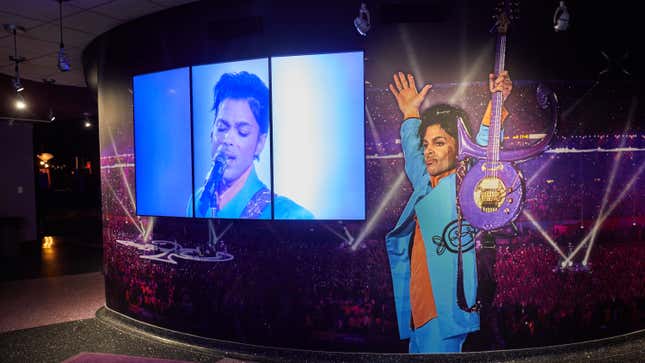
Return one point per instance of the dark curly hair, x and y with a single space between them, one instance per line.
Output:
244 86
445 116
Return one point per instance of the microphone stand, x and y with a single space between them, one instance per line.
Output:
210 193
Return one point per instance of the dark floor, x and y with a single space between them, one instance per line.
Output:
50 281
63 256
55 343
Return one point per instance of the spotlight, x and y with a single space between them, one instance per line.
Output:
13 29
18 85
561 18
51 115
87 122
63 63
362 21
20 102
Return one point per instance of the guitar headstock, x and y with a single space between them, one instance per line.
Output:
505 12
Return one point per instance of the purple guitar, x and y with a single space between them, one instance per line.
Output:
491 194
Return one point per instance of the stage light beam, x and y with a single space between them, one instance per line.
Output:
474 71
149 226
539 171
373 131
394 189
602 218
544 234
612 177
123 176
127 212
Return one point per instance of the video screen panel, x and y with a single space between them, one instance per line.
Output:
318 135
162 143
231 135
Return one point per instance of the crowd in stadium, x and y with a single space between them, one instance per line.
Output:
300 285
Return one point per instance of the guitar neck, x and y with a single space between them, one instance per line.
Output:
494 135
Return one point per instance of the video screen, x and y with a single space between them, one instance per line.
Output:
283 142
162 143
231 134
318 136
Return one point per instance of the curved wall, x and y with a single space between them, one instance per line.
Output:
328 285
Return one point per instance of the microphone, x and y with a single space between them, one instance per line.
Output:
208 198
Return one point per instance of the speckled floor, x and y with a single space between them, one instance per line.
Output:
58 342
49 300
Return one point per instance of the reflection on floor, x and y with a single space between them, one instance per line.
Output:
52 256
50 291
50 281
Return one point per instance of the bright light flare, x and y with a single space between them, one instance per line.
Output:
20 104
48 242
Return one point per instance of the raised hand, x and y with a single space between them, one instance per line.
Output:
407 96
501 83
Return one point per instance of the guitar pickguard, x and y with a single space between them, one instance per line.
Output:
488 202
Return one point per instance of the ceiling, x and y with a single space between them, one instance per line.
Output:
83 20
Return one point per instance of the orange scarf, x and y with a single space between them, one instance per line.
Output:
422 301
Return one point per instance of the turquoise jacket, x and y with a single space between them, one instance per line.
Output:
285 208
435 208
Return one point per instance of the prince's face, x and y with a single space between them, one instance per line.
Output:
439 150
237 134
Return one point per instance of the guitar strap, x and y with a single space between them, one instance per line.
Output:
461 295
260 200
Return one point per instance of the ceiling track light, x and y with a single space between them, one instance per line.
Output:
362 22
14 29
63 62
17 84
561 18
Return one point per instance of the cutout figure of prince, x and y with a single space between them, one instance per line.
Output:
424 268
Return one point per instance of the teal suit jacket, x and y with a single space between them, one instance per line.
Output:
434 207
285 208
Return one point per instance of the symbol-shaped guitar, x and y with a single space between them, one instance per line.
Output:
491 194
